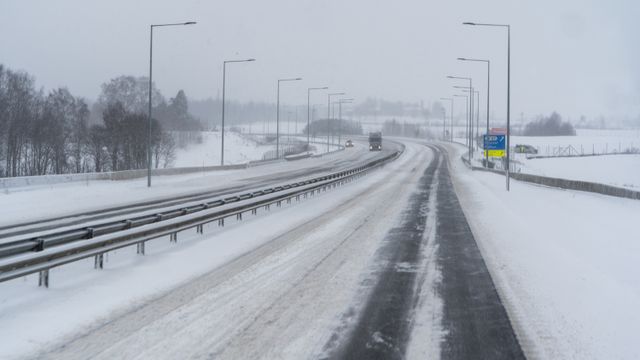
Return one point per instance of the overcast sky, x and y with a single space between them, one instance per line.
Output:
573 56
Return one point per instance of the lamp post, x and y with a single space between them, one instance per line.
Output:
329 117
508 89
467 105
476 93
314 113
150 90
470 106
278 115
340 102
470 122
450 115
309 90
224 76
486 154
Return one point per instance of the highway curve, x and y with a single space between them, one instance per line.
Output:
349 283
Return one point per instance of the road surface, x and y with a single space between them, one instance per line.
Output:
390 272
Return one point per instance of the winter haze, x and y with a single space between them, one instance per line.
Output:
576 57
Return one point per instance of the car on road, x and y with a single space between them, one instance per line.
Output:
525 149
349 143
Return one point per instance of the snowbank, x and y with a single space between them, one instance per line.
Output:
564 262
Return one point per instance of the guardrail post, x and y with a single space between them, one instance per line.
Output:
173 238
221 222
43 278
239 216
98 262
140 248
200 229
254 211
40 244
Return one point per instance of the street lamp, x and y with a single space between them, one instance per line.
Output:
278 116
150 90
477 109
486 154
467 105
314 112
329 117
340 102
470 120
451 116
224 75
309 90
470 106
508 88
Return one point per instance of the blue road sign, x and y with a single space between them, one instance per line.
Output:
494 142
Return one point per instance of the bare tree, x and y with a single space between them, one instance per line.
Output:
131 92
98 146
113 117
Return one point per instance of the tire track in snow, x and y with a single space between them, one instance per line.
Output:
473 323
384 325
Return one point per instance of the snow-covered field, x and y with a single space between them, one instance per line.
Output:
238 150
616 170
586 141
611 169
565 263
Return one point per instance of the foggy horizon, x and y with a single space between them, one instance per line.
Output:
576 58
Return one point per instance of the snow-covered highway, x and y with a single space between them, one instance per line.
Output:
320 279
402 263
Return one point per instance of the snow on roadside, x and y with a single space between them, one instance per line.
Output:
32 318
586 141
564 263
31 203
616 170
612 168
238 150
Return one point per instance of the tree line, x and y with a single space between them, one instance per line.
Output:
551 125
395 128
320 127
59 133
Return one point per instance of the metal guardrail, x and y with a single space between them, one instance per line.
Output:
565 184
60 249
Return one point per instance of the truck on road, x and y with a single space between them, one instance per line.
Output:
375 141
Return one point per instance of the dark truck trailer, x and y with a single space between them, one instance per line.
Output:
375 141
